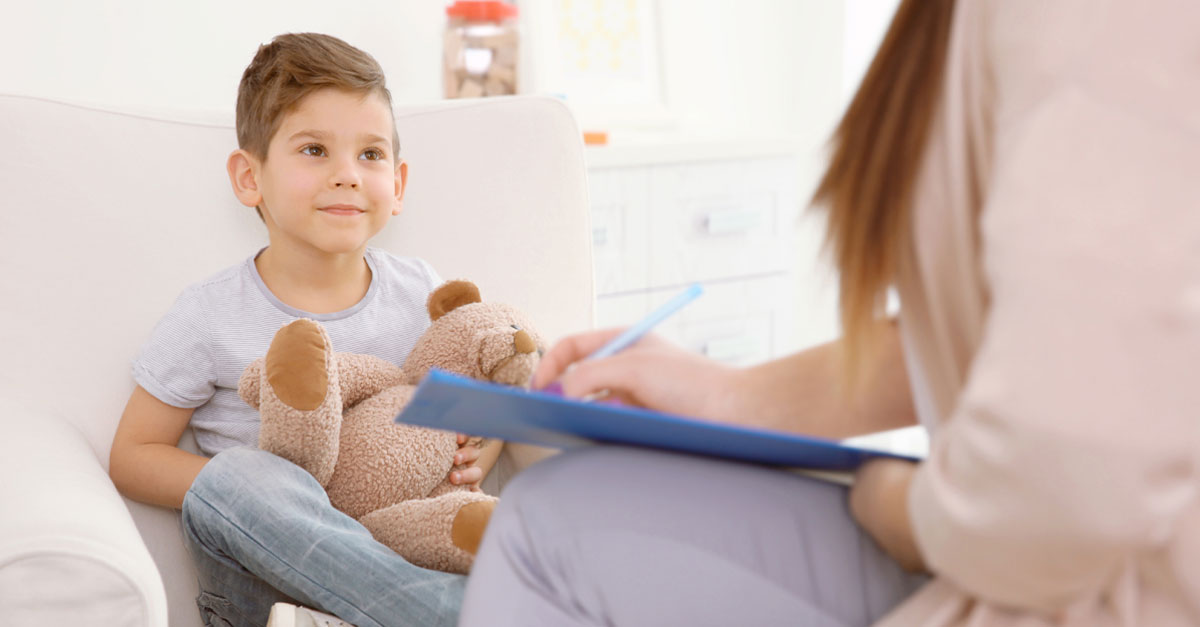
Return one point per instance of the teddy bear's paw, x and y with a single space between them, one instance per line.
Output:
433 532
301 407
469 524
297 366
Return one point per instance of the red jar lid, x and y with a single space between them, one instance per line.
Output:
482 10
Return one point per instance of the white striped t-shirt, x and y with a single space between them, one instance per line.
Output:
197 352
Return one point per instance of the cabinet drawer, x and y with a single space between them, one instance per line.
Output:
621 310
735 340
740 322
721 220
619 201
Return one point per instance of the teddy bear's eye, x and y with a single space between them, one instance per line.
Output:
515 327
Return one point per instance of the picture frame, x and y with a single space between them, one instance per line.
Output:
601 56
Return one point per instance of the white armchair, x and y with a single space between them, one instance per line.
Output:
107 215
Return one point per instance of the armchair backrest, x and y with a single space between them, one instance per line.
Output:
108 215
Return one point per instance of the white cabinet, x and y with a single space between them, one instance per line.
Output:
726 215
731 216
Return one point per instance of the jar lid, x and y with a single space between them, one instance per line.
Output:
482 10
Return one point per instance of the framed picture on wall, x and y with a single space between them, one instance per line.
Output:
601 55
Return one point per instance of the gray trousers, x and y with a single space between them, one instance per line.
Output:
619 536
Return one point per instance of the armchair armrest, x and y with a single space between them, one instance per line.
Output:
69 551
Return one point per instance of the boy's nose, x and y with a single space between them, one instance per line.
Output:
342 180
345 176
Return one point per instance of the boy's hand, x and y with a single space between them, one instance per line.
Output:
466 456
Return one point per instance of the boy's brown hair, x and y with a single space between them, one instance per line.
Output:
291 67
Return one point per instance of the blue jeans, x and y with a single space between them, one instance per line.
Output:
260 530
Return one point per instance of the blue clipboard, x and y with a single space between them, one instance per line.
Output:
455 403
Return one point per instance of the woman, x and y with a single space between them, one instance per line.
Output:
1023 173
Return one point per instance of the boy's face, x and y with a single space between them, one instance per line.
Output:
330 180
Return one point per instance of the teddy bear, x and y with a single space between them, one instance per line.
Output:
332 414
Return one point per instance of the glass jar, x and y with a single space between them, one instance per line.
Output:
480 49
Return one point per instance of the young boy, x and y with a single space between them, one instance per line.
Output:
317 160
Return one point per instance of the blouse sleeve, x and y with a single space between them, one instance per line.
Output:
1074 445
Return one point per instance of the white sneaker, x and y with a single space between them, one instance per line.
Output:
288 615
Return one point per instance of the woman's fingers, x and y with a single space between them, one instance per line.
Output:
652 373
568 351
619 374
659 376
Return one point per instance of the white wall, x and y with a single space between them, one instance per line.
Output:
755 67
759 67
191 54
866 23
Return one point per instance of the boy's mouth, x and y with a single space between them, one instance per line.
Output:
342 210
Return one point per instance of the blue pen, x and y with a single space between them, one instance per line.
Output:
643 326
632 334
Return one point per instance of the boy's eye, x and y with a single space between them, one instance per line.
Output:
373 154
313 150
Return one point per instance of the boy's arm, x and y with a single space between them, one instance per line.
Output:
145 463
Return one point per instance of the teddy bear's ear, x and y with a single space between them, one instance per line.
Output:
450 296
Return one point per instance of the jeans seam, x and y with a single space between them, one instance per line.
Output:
282 561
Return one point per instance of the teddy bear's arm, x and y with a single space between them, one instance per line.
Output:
299 399
248 385
364 376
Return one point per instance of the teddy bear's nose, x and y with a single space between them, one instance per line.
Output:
523 343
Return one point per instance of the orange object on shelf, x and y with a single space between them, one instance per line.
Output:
595 138
479 49
482 10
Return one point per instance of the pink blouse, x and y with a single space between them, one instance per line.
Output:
1051 319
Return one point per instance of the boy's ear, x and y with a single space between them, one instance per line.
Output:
401 182
243 175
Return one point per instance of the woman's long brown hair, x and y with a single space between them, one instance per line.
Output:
877 147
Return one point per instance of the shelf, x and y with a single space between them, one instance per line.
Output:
657 149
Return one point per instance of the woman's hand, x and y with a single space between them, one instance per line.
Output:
879 502
652 373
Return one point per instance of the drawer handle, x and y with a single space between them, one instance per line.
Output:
727 221
731 349
599 236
